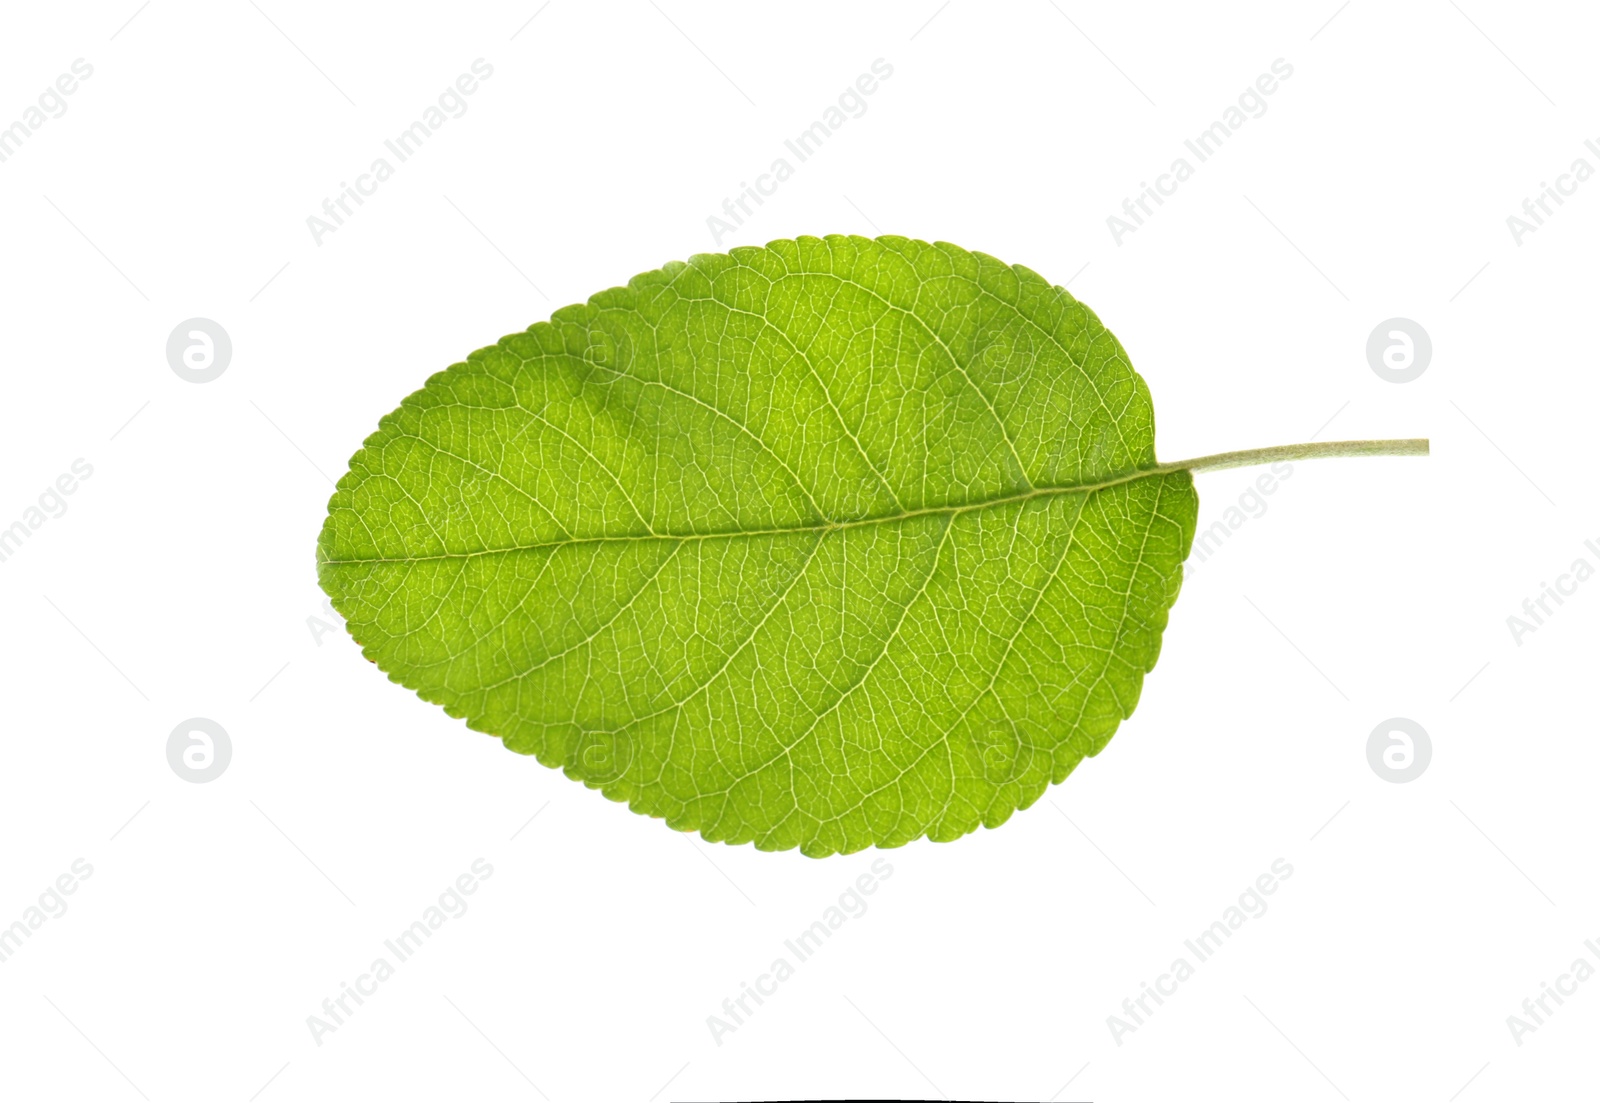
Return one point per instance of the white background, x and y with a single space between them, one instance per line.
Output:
180 582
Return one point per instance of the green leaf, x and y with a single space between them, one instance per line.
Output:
830 544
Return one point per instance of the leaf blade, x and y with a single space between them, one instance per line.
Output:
713 542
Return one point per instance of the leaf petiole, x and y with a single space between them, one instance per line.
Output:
1416 446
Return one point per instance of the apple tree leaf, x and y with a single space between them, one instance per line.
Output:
829 544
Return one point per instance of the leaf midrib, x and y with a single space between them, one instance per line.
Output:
791 530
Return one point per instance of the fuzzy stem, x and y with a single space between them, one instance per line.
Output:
1252 456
